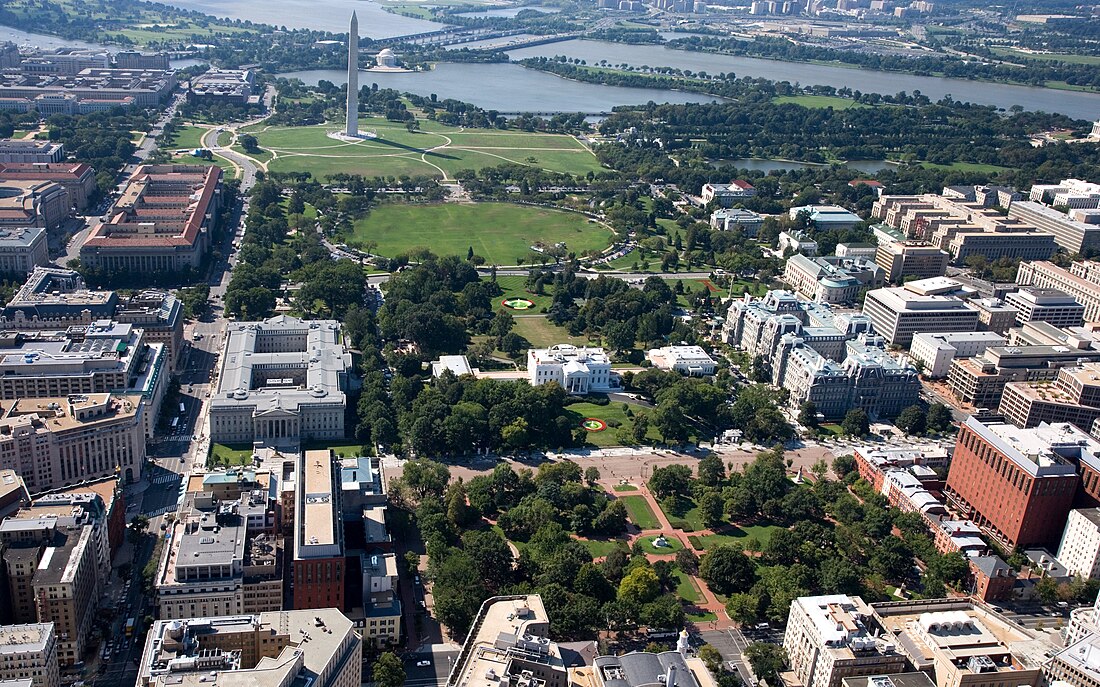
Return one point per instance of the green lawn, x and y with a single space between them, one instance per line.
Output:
640 513
818 101
966 167
230 454
610 413
342 450
261 156
187 137
625 487
224 138
600 547
701 616
685 587
541 333
435 150
515 286
499 232
674 545
686 516
734 537
1054 57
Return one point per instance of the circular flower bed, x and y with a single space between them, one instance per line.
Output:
517 303
593 424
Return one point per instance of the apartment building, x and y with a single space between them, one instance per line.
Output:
898 313
830 638
77 178
831 279
56 442
936 351
1079 551
222 559
318 567
509 640
282 380
28 655
161 223
577 370
1073 236
317 647
34 151
727 195
22 250
1016 484
1073 396
692 361
962 644
1035 304
963 228
901 259
54 298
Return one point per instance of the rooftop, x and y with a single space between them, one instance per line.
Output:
505 627
31 638
1040 451
316 503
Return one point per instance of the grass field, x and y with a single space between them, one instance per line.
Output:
189 137
601 547
734 537
341 450
686 516
640 513
541 333
515 286
1068 59
436 150
966 167
685 587
625 487
499 232
230 454
818 101
610 413
700 616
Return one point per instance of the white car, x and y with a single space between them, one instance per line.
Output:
423 664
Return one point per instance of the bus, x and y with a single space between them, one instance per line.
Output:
183 409
130 627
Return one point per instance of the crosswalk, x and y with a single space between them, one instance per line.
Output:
165 478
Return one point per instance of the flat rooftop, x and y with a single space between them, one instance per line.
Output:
316 505
500 618
30 638
1038 450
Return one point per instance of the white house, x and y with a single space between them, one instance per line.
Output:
577 370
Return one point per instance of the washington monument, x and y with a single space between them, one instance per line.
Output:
352 130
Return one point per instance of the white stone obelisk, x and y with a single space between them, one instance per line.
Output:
352 130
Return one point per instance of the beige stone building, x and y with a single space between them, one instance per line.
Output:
29 653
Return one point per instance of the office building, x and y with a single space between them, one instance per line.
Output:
727 195
33 203
1077 665
222 557
53 577
901 259
991 578
55 298
830 279
1073 397
161 223
642 668
963 227
95 503
381 624
55 442
234 86
728 219
936 351
692 361
829 638
28 655
67 61
898 313
1016 484
318 568
61 92
1082 281
1073 236
827 216
873 462
577 370
1069 192
895 680
13 493
22 250
795 241
33 151
1046 305
282 381
318 647
77 178
994 315
980 381
758 325
133 59
1079 551
857 251
985 196
962 644
509 641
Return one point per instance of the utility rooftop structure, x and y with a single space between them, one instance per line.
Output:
319 648
161 223
282 380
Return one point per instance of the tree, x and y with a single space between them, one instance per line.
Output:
711 470
727 570
856 423
425 477
619 336
912 420
388 671
639 586
671 480
137 528
711 658
711 509
1047 588
687 561
591 475
766 660
939 417
249 143
842 465
807 414
743 608
612 520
